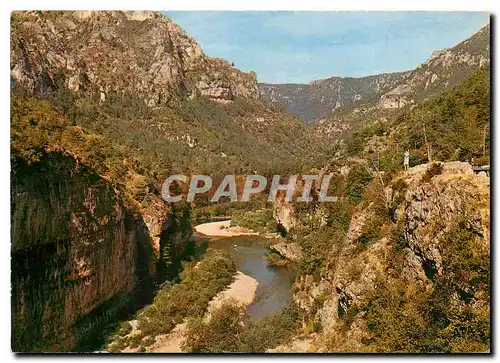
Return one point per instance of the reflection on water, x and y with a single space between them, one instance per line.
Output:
249 253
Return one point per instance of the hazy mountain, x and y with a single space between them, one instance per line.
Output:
325 98
319 98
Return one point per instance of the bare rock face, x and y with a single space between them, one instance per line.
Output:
107 53
284 215
396 98
290 251
431 206
78 254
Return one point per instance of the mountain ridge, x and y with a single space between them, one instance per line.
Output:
149 83
93 52
321 99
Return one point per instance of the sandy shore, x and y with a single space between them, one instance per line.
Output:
242 290
222 229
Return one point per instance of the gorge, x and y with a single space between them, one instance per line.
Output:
105 105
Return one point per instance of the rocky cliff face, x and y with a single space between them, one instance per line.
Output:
444 68
112 53
77 254
80 257
428 208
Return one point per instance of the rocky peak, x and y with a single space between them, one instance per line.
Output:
102 53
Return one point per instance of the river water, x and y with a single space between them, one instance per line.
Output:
249 254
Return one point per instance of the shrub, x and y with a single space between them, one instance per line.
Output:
318 246
199 284
339 215
355 144
451 317
370 231
483 160
275 259
261 220
432 170
231 330
359 177
399 188
125 328
220 334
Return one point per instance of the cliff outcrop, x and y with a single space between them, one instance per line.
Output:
80 256
441 219
103 54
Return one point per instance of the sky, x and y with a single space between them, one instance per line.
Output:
299 47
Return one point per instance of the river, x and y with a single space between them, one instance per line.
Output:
249 254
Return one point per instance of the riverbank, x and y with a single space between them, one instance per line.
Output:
259 287
223 229
242 290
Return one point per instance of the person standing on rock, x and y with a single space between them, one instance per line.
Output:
406 160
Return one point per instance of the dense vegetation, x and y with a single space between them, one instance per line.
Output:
453 126
199 136
452 317
37 128
260 220
199 283
230 330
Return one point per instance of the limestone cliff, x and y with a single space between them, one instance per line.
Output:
80 257
431 203
112 53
